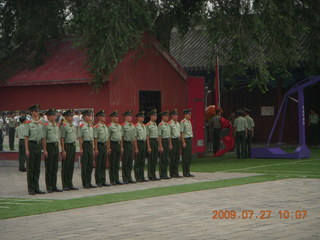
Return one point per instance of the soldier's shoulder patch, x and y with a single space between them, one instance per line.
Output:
135 124
160 124
148 124
58 125
28 121
123 124
109 125
81 125
46 124
95 126
183 121
170 122
64 124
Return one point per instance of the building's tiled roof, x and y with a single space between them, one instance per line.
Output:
64 65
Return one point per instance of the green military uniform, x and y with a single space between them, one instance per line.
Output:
164 134
129 136
141 156
1 135
51 136
20 134
152 133
101 134
251 125
175 141
68 133
86 134
115 136
241 126
34 133
186 129
12 129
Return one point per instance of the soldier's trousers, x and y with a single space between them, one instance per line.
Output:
153 158
114 161
186 156
216 139
22 154
86 163
248 144
12 132
68 165
1 140
241 144
51 163
174 157
101 163
34 162
127 161
164 158
139 161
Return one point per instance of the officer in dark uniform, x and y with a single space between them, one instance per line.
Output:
68 139
116 145
33 138
50 147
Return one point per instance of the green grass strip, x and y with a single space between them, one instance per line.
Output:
39 207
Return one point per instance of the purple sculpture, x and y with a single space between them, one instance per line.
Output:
302 150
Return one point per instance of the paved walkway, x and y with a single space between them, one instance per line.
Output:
184 216
13 184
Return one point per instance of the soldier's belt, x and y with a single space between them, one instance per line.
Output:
128 141
141 141
87 142
21 140
70 143
101 142
153 139
52 143
114 142
34 142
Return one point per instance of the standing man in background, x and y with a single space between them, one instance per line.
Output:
250 133
240 131
164 143
175 144
86 149
216 131
129 145
141 144
50 145
68 151
101 148
152 145
20 134
116 145
186 142
33 137
12 130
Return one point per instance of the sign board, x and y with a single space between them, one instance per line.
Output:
267 111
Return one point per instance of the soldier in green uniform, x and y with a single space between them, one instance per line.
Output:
20 134
186 142
129 145
250 133
142 150
68 139
175 144
152 145
164 143
86 149
240 131
12 129
33 138
101 148
50 145
1 133
116 145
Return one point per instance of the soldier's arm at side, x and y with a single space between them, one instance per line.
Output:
26 143
95 146
63 151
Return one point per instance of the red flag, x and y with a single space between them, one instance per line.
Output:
217 86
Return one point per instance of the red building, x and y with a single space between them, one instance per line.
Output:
146 78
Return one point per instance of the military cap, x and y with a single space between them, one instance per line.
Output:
164 113
34 107
100 114
247 110
174 112
240 112
127 113
23 112
22 118
153 112
86 112
51 111
187 111
140 114
114 114
68 112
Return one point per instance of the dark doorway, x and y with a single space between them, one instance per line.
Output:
149 100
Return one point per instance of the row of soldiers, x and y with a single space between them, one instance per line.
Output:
134 142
